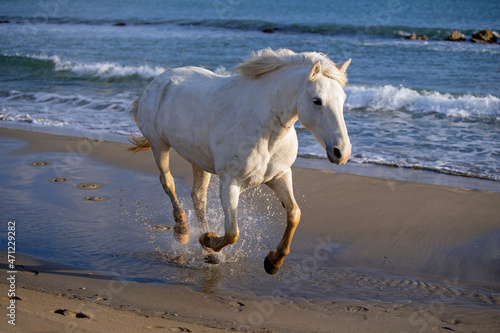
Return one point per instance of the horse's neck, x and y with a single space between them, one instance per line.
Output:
283 87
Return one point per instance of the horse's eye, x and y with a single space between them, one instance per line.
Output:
317 101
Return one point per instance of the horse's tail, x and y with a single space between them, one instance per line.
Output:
139 143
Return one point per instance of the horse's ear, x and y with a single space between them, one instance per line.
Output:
315 71
343 67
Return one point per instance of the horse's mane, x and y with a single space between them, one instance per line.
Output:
267 60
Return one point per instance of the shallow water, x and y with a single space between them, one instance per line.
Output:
129 234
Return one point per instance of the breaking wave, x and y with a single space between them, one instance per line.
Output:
391 98
99 69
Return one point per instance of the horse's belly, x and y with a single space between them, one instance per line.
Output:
201 160
261 174
192 149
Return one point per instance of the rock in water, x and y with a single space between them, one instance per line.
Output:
268 31
456 36
415 37
484 36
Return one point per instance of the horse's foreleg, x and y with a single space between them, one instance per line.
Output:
161 154
229 194
283 188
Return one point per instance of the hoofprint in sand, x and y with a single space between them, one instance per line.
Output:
401 227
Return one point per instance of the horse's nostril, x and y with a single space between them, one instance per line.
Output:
337 152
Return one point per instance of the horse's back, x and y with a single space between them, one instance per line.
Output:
175 109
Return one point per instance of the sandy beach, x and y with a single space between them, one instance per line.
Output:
370 254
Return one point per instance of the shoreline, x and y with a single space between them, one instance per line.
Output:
361 222
362 169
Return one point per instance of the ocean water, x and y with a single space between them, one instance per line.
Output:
432 105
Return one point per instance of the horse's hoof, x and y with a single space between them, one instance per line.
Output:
181 238
270 268
205 239
212 259
181 233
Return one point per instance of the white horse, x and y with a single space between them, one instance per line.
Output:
242 129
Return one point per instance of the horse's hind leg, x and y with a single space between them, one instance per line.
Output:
201 180
283 188
161 153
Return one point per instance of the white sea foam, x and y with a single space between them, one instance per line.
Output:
221 70
27 118
105 70
389 98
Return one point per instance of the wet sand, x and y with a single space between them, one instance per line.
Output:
385 255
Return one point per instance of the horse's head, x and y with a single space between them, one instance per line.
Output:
320 110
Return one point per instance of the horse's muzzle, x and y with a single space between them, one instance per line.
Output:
337 156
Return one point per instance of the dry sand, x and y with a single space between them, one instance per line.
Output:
442 233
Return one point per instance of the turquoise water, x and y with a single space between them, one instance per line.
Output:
417 104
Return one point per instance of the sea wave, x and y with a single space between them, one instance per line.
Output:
102 70
46 101
107 70
72 111
391 98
